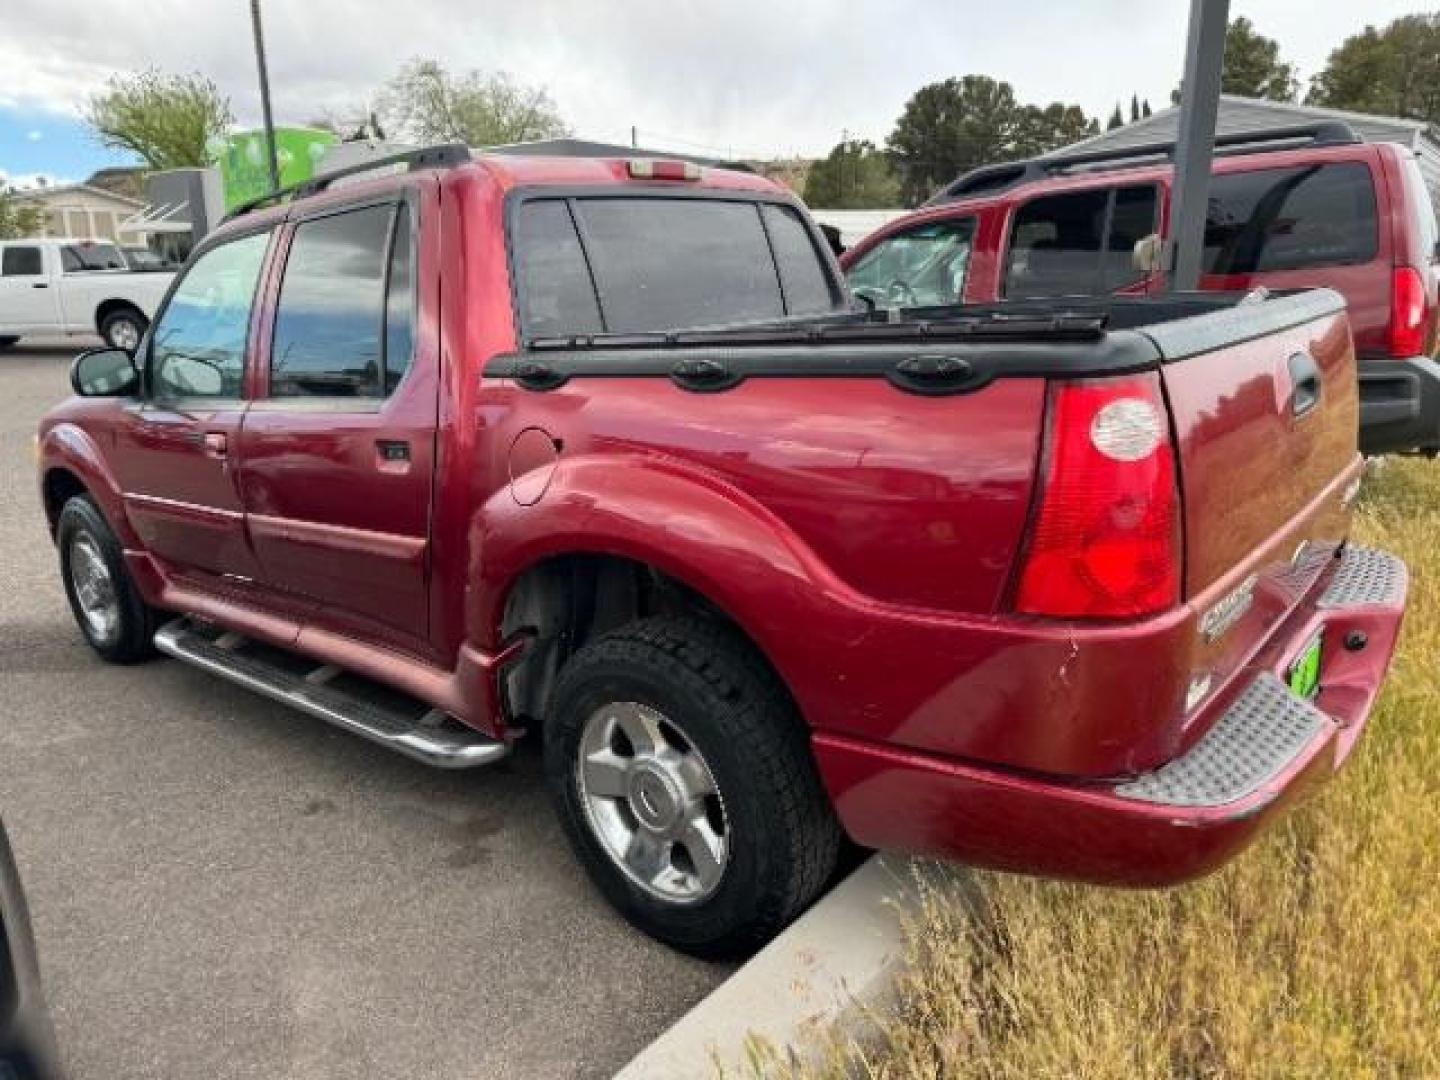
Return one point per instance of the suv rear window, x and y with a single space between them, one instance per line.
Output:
1284 219
635 265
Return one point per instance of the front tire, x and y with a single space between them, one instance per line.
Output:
123 328
685 782
117 623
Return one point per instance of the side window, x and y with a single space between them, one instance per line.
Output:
198 344
558 295
802 269
1055 245
399 304
1284 219
329 321
70 260
21 262
923 267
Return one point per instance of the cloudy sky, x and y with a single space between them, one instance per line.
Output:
743 77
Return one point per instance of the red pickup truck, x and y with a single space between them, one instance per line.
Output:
1303 207
600 451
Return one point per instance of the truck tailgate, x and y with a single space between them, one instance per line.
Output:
1264 428
1266 437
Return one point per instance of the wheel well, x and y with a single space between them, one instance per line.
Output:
568 600
59 487
107 307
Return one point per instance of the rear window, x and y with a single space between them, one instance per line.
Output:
1285 219
635 265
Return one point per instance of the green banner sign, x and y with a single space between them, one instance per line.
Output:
244 171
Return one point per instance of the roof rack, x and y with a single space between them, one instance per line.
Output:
443 156
989 179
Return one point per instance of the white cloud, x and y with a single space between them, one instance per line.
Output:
27 181
34 136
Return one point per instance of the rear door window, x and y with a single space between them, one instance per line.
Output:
636 265
1288 218
330 338
921 267
20 262
1078 244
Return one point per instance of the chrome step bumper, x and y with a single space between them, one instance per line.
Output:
422 733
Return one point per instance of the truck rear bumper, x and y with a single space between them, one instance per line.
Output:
1266 749
1399 405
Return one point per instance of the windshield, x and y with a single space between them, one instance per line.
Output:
920 268
144 259
75 257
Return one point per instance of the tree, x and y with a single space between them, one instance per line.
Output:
1253 67
1393 72
426 103
17 219
1134 108
165 119
1117 119
853 176
1145 107
952 126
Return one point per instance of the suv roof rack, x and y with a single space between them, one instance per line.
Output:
443 156
989 179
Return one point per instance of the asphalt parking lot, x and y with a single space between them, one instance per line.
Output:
224 888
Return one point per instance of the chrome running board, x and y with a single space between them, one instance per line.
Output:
403 724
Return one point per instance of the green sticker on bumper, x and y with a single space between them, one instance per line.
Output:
1305 672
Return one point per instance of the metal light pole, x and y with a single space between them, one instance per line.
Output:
270 154
1195 145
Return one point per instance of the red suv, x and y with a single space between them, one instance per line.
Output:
1289 208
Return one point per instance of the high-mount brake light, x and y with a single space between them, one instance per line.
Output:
655 169
1409 312
1105 539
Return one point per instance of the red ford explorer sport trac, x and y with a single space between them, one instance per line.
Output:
601 454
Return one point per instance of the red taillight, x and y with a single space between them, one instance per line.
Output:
1409 312
1105 542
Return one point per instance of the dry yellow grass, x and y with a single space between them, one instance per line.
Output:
1315 954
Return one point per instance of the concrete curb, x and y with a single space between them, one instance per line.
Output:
838 960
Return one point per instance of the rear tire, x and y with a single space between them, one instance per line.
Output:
117 623
684 779
7 341
123 328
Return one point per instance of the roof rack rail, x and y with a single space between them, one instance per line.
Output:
995 178
443 156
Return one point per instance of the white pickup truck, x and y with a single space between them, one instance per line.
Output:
74 287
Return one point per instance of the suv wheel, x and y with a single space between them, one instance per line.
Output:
123 329
685 782
115 621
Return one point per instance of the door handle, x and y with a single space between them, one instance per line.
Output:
392 450
1305 382
39 284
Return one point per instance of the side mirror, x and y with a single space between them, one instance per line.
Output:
104 373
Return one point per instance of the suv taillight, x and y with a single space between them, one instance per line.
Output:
1105 538
1409 312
